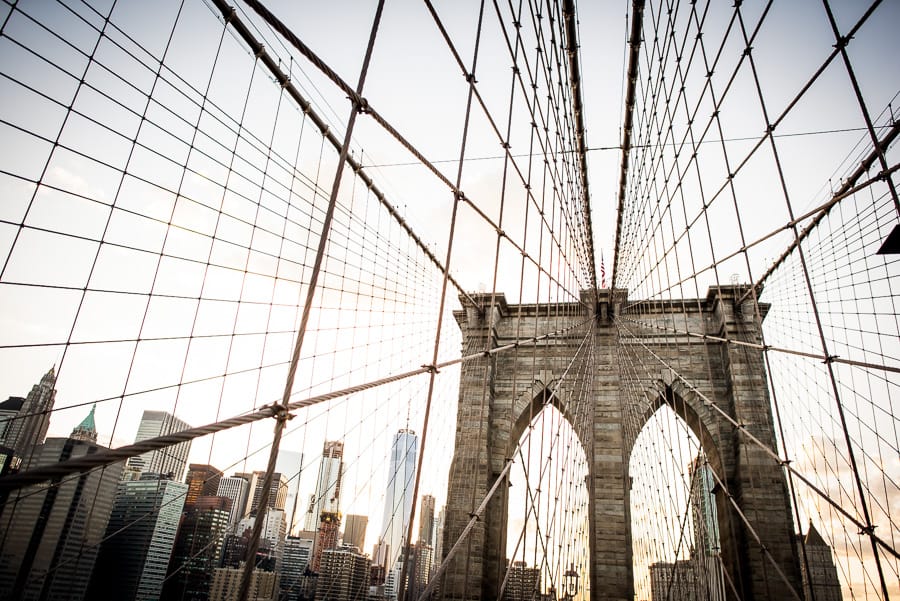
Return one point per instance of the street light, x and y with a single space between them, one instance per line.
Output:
570 582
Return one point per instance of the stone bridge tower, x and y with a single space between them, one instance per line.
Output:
500 393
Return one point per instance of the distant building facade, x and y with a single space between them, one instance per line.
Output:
355 530
343 575
202 480
294 562
197 549
674 581
820 581
237 489
57 527
137 546
225 583
28 427
277 492
171 460
426 520
523 583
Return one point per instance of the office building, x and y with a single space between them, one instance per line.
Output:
234 551
355 530
522 583
227 581
137 546
170 460
197 549
59 527
203 481
271 537
398 497
421 557
343 575
820 581
9 409
674 581
28 428
426 520
237 489
327 497
294 561
277 492
707 548
439 536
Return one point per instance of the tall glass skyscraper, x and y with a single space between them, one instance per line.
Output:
171 460
133 559
398 497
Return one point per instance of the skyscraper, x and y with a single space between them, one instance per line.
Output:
202 481
272 535
135 554
197 549
170 460
398 497
29 428
523 583
59 527
226 582
328 485
343 576
355 530
707 548
426 520
296 557
237 489
9 409
277 493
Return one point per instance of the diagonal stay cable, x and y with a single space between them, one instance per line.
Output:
766 449
231 17
367 109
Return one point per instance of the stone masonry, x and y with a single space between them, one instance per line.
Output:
500 393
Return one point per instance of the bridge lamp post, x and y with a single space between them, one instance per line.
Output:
570 582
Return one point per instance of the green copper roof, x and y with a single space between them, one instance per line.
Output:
87 424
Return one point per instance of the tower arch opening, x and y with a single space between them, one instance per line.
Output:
547 526
675 517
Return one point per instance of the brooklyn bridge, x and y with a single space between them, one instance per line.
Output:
472 300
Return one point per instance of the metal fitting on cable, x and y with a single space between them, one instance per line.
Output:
431 368
280 412
362 106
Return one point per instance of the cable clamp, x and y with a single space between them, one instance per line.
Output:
470 77
830 359
231 14
869 530
260 51
786 462
280 412
475 516
431 368
362 106
748 50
